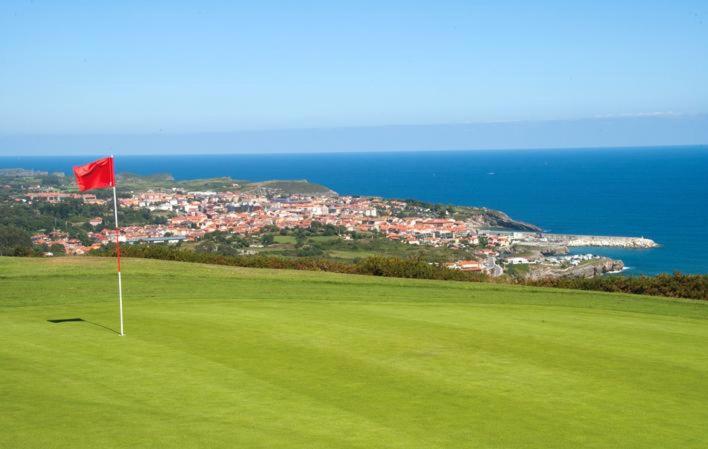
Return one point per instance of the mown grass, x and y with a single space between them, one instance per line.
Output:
231 357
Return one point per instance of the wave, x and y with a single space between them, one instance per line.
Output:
620 270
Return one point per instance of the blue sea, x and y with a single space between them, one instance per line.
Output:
659 192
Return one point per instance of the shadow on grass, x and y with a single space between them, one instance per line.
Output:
70 320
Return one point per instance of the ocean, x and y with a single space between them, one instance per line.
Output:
659 193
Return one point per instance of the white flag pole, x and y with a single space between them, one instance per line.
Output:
120 283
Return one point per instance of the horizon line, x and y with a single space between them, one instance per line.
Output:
295 153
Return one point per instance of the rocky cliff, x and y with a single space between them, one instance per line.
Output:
589 269
493 219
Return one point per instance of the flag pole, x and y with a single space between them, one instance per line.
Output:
120 283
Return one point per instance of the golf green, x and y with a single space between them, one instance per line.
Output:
220 357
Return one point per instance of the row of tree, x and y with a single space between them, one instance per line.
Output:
47 216
676 285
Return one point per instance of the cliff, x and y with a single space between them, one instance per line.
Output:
481 217
299 186
589 269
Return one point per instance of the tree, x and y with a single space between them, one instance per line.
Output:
483 241
267 239
207 246
57 249
309 250
159 220
81 235
270 228
315 227
300 237
14 242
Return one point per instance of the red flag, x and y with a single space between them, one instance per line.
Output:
95 175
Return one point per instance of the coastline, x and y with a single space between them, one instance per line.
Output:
564 191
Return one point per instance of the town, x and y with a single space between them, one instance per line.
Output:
189 216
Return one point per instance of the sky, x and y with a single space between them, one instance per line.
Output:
146 74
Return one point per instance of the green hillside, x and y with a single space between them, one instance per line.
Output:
219 357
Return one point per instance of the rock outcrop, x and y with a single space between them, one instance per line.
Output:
495 219
589 269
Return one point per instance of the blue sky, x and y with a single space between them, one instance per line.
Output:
154 68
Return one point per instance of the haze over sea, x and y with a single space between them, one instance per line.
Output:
659 192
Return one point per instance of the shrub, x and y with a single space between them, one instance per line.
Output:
677 285
15 242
